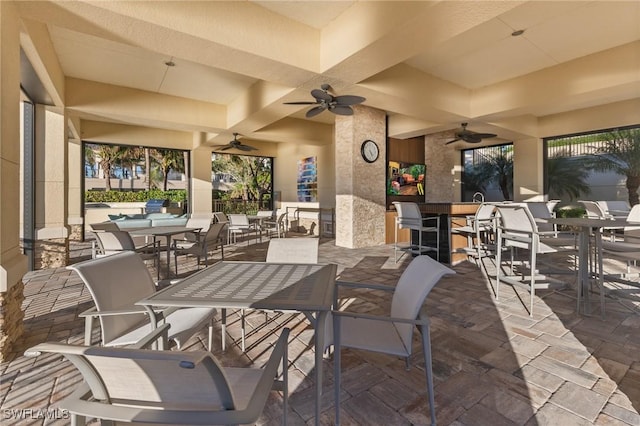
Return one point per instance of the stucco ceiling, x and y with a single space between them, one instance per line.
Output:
429 65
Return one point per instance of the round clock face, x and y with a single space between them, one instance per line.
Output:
369 151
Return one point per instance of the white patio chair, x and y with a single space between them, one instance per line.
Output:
284 250
220 217
392 334
202 224
164 387
551 206
112 242
625 247
479 232
276 227
517 229
616 208
293 250
116 283
97 227
205 242
594 210
410 217
239 224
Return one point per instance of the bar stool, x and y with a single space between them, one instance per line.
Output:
409 217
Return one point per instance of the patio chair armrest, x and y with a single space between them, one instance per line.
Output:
352 284
161 333
431 218
417 321
357 285
155 246
93 312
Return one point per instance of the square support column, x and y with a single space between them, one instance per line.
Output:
52 164
360 186
13 264
75 198
201 187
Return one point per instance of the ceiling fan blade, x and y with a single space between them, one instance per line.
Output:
315 111
452 141
226 147
341 109
246 148
349 100
472 139
484 135
300 103
321 95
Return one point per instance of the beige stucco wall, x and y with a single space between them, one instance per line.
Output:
286 171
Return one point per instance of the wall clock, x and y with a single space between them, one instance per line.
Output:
369 151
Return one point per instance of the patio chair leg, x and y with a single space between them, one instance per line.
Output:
224 330
426 349
210 336
336 366
242 326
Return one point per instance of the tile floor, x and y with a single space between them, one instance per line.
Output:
493 364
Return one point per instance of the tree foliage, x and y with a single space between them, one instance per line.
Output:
252 175
567 175
169 159
494 167
619 153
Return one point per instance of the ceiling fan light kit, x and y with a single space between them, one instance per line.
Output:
470 136
340 105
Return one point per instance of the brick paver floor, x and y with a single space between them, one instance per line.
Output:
493 364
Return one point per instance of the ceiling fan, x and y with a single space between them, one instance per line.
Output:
340 105
469 136
234 144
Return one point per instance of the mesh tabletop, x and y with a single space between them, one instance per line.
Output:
276 286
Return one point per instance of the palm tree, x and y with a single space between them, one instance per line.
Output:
566 175
147 168
169 159
495 166
89 158
109 155
619 153
131 155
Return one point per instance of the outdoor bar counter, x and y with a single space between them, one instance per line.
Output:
452 215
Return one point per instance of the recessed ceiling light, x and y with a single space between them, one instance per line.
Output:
170 64
517 33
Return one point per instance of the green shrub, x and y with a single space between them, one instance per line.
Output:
175 195
571 212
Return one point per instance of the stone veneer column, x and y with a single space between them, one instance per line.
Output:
52 235
360 186
442 180
13 264
74 190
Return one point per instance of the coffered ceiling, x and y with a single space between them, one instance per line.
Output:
429 64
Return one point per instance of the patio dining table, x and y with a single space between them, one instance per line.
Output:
163 231
588 227
306 288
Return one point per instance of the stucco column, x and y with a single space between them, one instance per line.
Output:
528 169
74 190
200 177
13 264
360 186
52 235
